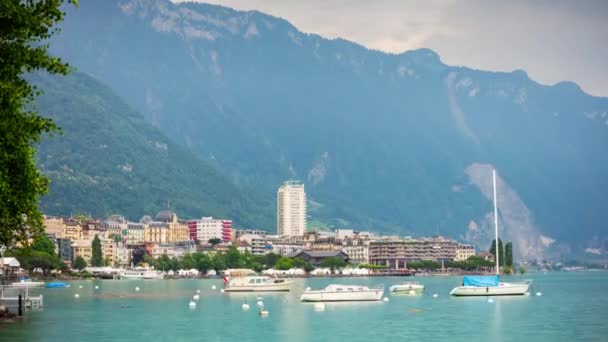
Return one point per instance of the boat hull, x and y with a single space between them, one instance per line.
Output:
279 287
406 288
371 295
145 275
503 289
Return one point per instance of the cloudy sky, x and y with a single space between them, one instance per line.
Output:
553 40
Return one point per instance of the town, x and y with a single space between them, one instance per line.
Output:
125 244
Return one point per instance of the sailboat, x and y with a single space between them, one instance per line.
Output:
491 285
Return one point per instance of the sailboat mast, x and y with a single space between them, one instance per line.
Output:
495 223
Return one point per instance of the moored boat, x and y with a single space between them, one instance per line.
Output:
141 274
407 287
25 282
343 293
489 286
57 285
257 284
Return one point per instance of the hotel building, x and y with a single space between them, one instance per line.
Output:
291 209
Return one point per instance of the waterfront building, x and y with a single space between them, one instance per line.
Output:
136 232
256 243
156 232
395 252
240 232
291 209
487 256
159 250
173 231
317 257
357 249
72 230
82 248
284 245
64 250
344 233
115 225
463 252
208 228
54 226
108 250
123 256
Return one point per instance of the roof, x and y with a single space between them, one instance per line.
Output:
164 216
10 262
318 254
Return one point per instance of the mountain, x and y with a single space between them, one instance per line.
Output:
398 143
107 160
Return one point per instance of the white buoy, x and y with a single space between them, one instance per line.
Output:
319 306
192 304
80 286
412 292
538 294
198 291
264 313
96 287
77 296
527 293
490 300
308 288
196 297
213 287
260 298
136 288
245 307
222 290
435 295
385 299
260 303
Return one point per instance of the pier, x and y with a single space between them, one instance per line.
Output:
18 296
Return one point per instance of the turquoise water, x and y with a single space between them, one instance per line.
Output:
573 306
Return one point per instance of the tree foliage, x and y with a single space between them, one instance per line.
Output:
333 263
96 255
25 26
501 253
40 254
509 254
79 263
215 241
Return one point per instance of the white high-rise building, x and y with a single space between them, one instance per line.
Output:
291 209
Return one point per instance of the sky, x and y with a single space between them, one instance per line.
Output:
552 40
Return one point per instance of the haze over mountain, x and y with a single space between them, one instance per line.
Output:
398 143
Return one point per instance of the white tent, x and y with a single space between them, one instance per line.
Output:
10 262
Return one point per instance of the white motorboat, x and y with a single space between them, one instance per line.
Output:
28 284
407 287
141 274
491 285
257 284
343 293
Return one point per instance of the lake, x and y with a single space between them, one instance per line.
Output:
573 307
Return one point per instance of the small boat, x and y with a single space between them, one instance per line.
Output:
343 293
27 282
57 285
407 287
257 284
491 285
141 274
